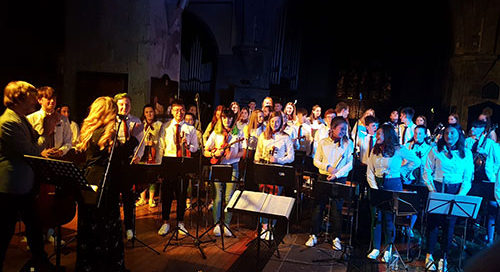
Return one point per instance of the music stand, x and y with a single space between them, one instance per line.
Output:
59 173
261 205
277 175
222 173
418 201
179 166
454 205
148 172
389 200
343 191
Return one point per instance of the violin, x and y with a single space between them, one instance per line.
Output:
225 147
479 158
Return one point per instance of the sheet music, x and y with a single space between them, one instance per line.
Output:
262 203
249 201
278 205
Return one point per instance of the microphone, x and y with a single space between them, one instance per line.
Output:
360 96
122 117
295 102
197 97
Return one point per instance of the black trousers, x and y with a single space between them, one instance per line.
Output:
174 188
24 205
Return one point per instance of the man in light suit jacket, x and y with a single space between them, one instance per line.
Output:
60 140
18 138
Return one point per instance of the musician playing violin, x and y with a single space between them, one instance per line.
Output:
274 146
334 159
176 136
486 162
225 146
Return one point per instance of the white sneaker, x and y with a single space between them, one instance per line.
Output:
429 263
217 231
164 229
387 256
442 266
312 241
182 229
130 234
227 233
336 245
374 254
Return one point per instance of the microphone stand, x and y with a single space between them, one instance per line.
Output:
197 241
351 175
106 173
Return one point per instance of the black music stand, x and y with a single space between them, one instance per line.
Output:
277 175
389 200
179 167
148 171
418 201
261 205
346 192
454 205
221 173
61 174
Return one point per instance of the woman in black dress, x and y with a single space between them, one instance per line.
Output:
100 238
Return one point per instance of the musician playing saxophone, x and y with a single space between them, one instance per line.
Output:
334 159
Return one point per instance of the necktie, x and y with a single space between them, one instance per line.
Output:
403 140
370 145
125 130
178 140
300 131
474 146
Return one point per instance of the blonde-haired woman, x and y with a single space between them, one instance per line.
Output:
100 242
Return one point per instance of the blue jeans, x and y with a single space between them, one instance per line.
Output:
322 194
228 189
434 221
379 216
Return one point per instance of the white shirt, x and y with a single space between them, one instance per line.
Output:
153 135
497 180
390 167
216 140
167 138
337 155
282 145
408 135
361 131
322 133
135 129
364 147
455 170
303 141
62 132
422 151
490 152
75 132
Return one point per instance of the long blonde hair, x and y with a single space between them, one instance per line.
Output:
102 113
253 123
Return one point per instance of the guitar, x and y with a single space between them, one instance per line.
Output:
478 158
225 147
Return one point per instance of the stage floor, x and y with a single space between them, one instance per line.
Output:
239 254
